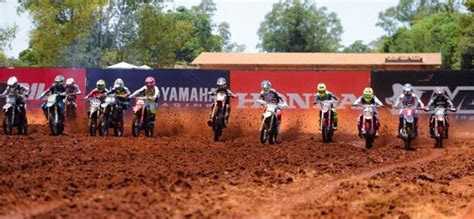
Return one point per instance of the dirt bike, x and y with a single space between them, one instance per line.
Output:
439 122
70 108
367 126
55 117
142 116
94 115
407 132
14 117
112 116
218 115
269 127
326 120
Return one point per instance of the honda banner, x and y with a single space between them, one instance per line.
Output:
298 88
459 86
178 87
39 79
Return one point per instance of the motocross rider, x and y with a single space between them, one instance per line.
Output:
221 87
440 99
323 95
368 98
59 89
98 92
152 93
72 90
17 90
122 92
408 98
269 95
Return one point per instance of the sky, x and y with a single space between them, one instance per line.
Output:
358 19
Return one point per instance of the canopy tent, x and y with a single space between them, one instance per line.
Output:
124 65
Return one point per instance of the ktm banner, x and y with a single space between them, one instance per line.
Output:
459 86
298 88
39 79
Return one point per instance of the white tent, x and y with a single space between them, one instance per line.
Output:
146 67
123 65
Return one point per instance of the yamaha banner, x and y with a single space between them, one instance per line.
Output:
178 87
459 86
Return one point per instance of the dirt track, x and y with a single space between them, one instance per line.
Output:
182 172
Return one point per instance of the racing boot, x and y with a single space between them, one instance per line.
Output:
334 127
400 122
446 132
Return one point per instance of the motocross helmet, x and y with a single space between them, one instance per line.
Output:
100 85
221 83
58 80
322 89
407 89
368 94
266 86
149 82
439 91
12 81
118 84
70 82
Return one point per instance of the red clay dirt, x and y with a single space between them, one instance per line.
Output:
181 172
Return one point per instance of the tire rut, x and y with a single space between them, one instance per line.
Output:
308 190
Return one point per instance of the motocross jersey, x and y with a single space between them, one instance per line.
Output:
271 97
442 101
152 94
53 90
96 93
374 101
411 100
20 91
124 92
74 90
328 96
226 91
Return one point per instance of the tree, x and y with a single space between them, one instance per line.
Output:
202 39
226 44
357 47
58 25
436 33
299 26
7 34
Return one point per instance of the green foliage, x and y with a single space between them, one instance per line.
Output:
299 26
95 33
357 47
226 44
7 34
406 13
436 33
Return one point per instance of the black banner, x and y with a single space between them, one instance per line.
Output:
459 86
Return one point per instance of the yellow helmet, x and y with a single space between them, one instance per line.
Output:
322 88
368 94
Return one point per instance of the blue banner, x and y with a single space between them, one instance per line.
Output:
178 87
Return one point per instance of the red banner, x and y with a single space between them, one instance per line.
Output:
39 79
299 87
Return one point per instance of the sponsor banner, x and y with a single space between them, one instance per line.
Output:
39 79
459 86
178 87
298 87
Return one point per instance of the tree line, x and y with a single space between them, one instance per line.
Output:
97 33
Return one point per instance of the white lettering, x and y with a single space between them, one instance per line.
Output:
173 95
194 95
183 94
165 91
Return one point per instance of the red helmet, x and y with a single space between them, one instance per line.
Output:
150 82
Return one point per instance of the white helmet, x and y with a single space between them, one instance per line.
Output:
59 80
221 82
407 89
12 81
70 81
266 86
118 83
